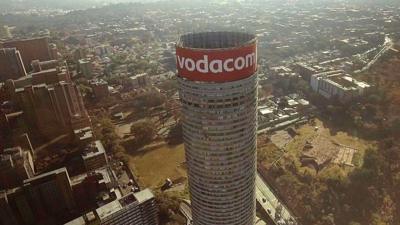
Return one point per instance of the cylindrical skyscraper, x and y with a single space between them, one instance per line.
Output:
217 74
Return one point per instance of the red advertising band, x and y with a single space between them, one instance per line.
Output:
217 65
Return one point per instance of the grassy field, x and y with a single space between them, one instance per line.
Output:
267 152
154 164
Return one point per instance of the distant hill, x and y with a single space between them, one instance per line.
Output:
12 5
9 5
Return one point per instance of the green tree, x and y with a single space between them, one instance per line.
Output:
105 131
395 128
377 220
175 135
143 131
169 85
149 99
169 209
354 223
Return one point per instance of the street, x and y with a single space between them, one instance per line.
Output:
272 205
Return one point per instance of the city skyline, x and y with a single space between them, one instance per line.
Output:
179 112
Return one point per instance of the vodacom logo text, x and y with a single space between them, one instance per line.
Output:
215 66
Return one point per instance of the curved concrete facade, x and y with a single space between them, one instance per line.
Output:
219 128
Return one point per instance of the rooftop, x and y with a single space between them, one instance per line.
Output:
47 175
104 172
109 209
347 82
98 82
215 40
137 76
93 149
144 195
342 82
85 133
127 200
266 111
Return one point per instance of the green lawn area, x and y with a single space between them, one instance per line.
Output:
155 164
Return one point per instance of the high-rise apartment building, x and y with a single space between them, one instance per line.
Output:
217 74
140 80
31 49
5 32
100 88
53 109
16 165
133 209
85 67
11 65
51 103
7 216
50 193
40 200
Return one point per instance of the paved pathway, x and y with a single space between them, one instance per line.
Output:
386 46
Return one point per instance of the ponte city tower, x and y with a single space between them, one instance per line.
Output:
217 74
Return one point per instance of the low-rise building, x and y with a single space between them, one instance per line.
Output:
5 32
100 88
338 84
282 71
352 45
274 113
85 67
140 80
103 50
304 71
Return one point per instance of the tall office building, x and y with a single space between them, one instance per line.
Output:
133 209
7 216
86 68
217 74
5 32
51 103
11 65
50 193
31 49
40 200
16 165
